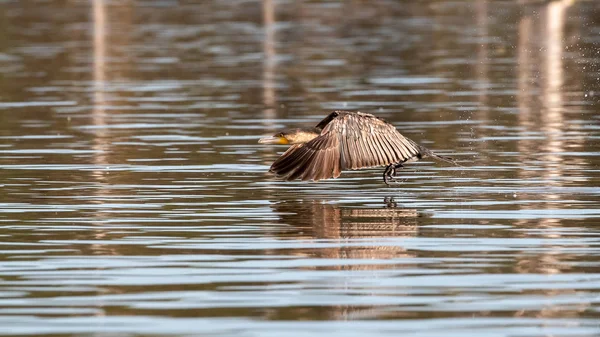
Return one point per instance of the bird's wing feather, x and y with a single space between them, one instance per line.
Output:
314 160
370 141
347 141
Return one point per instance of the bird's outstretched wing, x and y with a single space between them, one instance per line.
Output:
347 141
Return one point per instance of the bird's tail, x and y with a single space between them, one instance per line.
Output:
428 153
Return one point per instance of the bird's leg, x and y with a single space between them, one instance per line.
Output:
388 174
397 166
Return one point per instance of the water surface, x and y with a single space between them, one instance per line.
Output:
135 200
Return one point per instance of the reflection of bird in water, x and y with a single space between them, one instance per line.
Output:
345 140
332 222
353 240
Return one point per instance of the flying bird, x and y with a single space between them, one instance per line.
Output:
345 140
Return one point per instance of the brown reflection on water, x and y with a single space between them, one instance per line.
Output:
360 228
326 221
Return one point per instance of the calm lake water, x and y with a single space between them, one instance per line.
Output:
135 199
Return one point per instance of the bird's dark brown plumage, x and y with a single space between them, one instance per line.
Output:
348 141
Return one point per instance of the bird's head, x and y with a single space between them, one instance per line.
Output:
290 137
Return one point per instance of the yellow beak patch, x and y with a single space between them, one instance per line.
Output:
274 140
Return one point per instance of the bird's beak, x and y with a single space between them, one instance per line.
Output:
274 140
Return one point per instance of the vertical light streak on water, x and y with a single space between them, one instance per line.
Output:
482 67
553 119
551 71
269 99
524 70
99 66
269 68
99 116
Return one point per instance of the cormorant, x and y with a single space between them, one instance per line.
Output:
345 140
